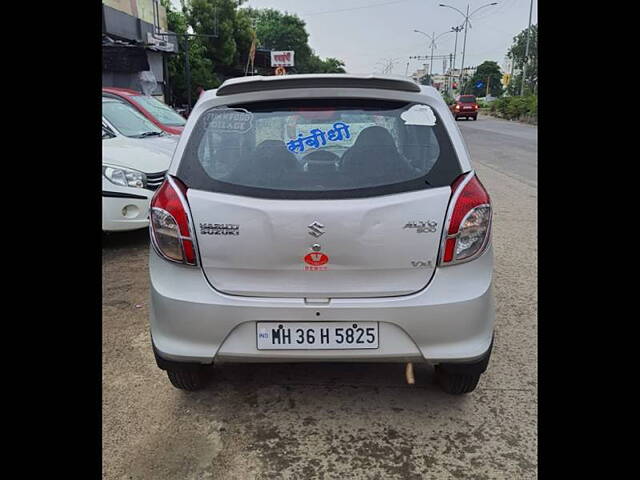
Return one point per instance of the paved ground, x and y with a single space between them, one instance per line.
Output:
335 421
509 147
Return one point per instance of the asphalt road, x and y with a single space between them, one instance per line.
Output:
509 147
337 421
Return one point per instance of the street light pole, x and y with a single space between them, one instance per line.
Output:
526 51
464 46
466 24
433 39
187 71
431 65
186 37
455 47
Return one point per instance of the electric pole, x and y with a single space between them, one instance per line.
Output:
433 39
464 45
455 48
449 77
158 34
433 36
526 51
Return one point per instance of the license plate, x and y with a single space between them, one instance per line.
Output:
316 335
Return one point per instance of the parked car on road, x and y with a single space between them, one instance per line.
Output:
135 157
323 217
465 106
161 114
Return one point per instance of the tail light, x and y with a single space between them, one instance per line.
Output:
170 228
468 224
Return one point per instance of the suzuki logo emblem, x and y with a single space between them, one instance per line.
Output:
315 229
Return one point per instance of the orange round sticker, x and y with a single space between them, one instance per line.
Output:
316 259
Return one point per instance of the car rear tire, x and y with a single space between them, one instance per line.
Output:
458 378
189 380
474 118
456 383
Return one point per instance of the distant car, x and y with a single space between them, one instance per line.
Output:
161 114
465 106
321 217
135 157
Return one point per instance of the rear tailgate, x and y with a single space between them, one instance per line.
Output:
377 246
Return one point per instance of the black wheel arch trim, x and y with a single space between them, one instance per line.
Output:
165 364
469 368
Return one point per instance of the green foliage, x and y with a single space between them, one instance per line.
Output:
201 67
328 65
517 54
487 71
448 99
208 17
514 108
283 31
212 60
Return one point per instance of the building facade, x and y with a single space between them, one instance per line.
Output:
134 51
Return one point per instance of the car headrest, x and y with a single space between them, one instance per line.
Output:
374 136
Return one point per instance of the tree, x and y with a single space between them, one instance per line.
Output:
214 59
200 66
487 71
517 55
283 31
233 32
425 80
328 65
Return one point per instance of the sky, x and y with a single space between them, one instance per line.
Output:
367 34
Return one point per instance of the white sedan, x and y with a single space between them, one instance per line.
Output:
135 157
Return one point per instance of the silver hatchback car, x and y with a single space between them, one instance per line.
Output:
321 218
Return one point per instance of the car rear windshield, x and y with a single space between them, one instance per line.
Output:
319 149
469 99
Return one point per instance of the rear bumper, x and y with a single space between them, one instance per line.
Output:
449 321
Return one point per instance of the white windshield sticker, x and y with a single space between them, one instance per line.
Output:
419 115
236 120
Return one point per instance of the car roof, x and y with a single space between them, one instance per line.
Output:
260 83
120 91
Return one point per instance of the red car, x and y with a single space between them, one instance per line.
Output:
465 106
159 113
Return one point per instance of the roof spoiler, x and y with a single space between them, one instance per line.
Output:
261 83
